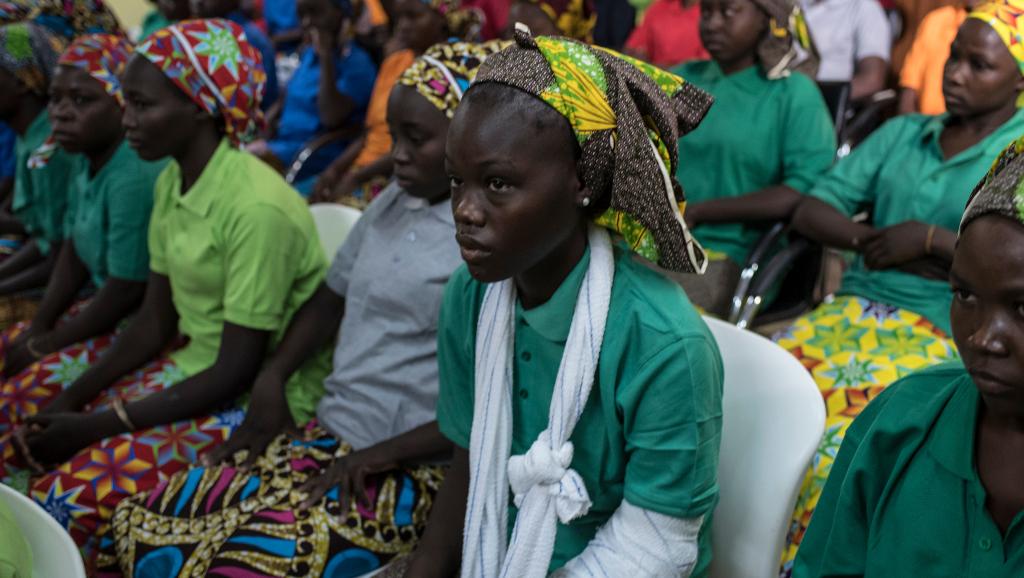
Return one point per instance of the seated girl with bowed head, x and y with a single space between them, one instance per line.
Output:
928 480
582 390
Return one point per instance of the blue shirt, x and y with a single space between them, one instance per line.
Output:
260 41
281 16
7 138
300 119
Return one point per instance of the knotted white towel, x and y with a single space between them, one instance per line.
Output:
546 489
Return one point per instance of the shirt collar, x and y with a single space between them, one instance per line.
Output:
206 187
952 439
989 146
553 318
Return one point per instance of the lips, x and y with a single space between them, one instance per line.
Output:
989 383
471 249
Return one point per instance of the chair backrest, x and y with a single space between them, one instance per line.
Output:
333 224
773 420
54 553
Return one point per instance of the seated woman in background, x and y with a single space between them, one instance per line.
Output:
233 253
368 469
922 71
928 481
570 18
360 172
330 90
570 372
231 10
28 56
108 215
765 141
892 313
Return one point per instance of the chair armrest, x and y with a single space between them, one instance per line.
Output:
319 142
769 275
769 240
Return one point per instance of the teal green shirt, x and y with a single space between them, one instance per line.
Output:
108 215
904 497
650 431
759 133
41 195
900 175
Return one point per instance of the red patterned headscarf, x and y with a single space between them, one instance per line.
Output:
213 63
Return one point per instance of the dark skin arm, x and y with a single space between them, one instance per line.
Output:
439 553
335 107
869 78
9 225
286 37
28 268
908 101
150 331
336 172
53 438
823 223
905 243
314 325
771 204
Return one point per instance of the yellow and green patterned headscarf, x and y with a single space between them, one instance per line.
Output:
1001 192
443 73
1006 17
627 117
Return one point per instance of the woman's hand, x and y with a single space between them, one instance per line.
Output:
896 245
267 418
48 439
349 473
691 216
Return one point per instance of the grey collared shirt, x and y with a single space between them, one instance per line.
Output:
391 270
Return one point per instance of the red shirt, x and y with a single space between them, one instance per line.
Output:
668 34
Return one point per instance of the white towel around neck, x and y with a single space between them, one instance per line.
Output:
546 490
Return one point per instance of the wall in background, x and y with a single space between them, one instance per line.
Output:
130 12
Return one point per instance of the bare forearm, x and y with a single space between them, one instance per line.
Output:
908 101
381 167
334 106
417 445
823 223
10 225
312 327
342 164
116 300
771 204
439 553
869 78
26 257
33 276
69 276
943 244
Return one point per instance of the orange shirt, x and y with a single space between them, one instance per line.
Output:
378 138
922 70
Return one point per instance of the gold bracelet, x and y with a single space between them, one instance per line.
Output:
928 240
30 345
122 414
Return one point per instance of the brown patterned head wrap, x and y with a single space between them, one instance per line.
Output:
787 45
627 117
1001 192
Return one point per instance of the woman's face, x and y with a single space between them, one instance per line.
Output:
515 192
159 119
418 132
988 310
731 29
174 10
418 26
539 23
980 76
84 117
322 15
213 8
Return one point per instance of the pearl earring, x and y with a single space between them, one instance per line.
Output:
586 201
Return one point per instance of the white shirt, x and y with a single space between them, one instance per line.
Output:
846 32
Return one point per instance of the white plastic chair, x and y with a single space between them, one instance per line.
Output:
333 224
54 554
773 420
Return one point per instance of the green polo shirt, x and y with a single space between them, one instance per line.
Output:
154 20
899 174
759 133
651 428
108 215
41 195
904 497
239 247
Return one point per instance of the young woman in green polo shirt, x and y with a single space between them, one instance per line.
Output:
766 140
891 315
233 253
582 389
928 481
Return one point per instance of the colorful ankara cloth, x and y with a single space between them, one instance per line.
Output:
30 52
1005 17
224 521
787 45
854 348
462 23
66 18
443 73
1001 192
574 18
628 143
215 65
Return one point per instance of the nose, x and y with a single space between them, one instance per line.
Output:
128 118
954 72
400 153
60 110
467 208
989 337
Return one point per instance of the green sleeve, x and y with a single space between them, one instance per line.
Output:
261 257
672 422
129 205
850 186
836 543
157 237
811 146
456 353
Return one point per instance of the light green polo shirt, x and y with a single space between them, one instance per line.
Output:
108 215
899 174
904 497
239 247
41 195
759 133
651 429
